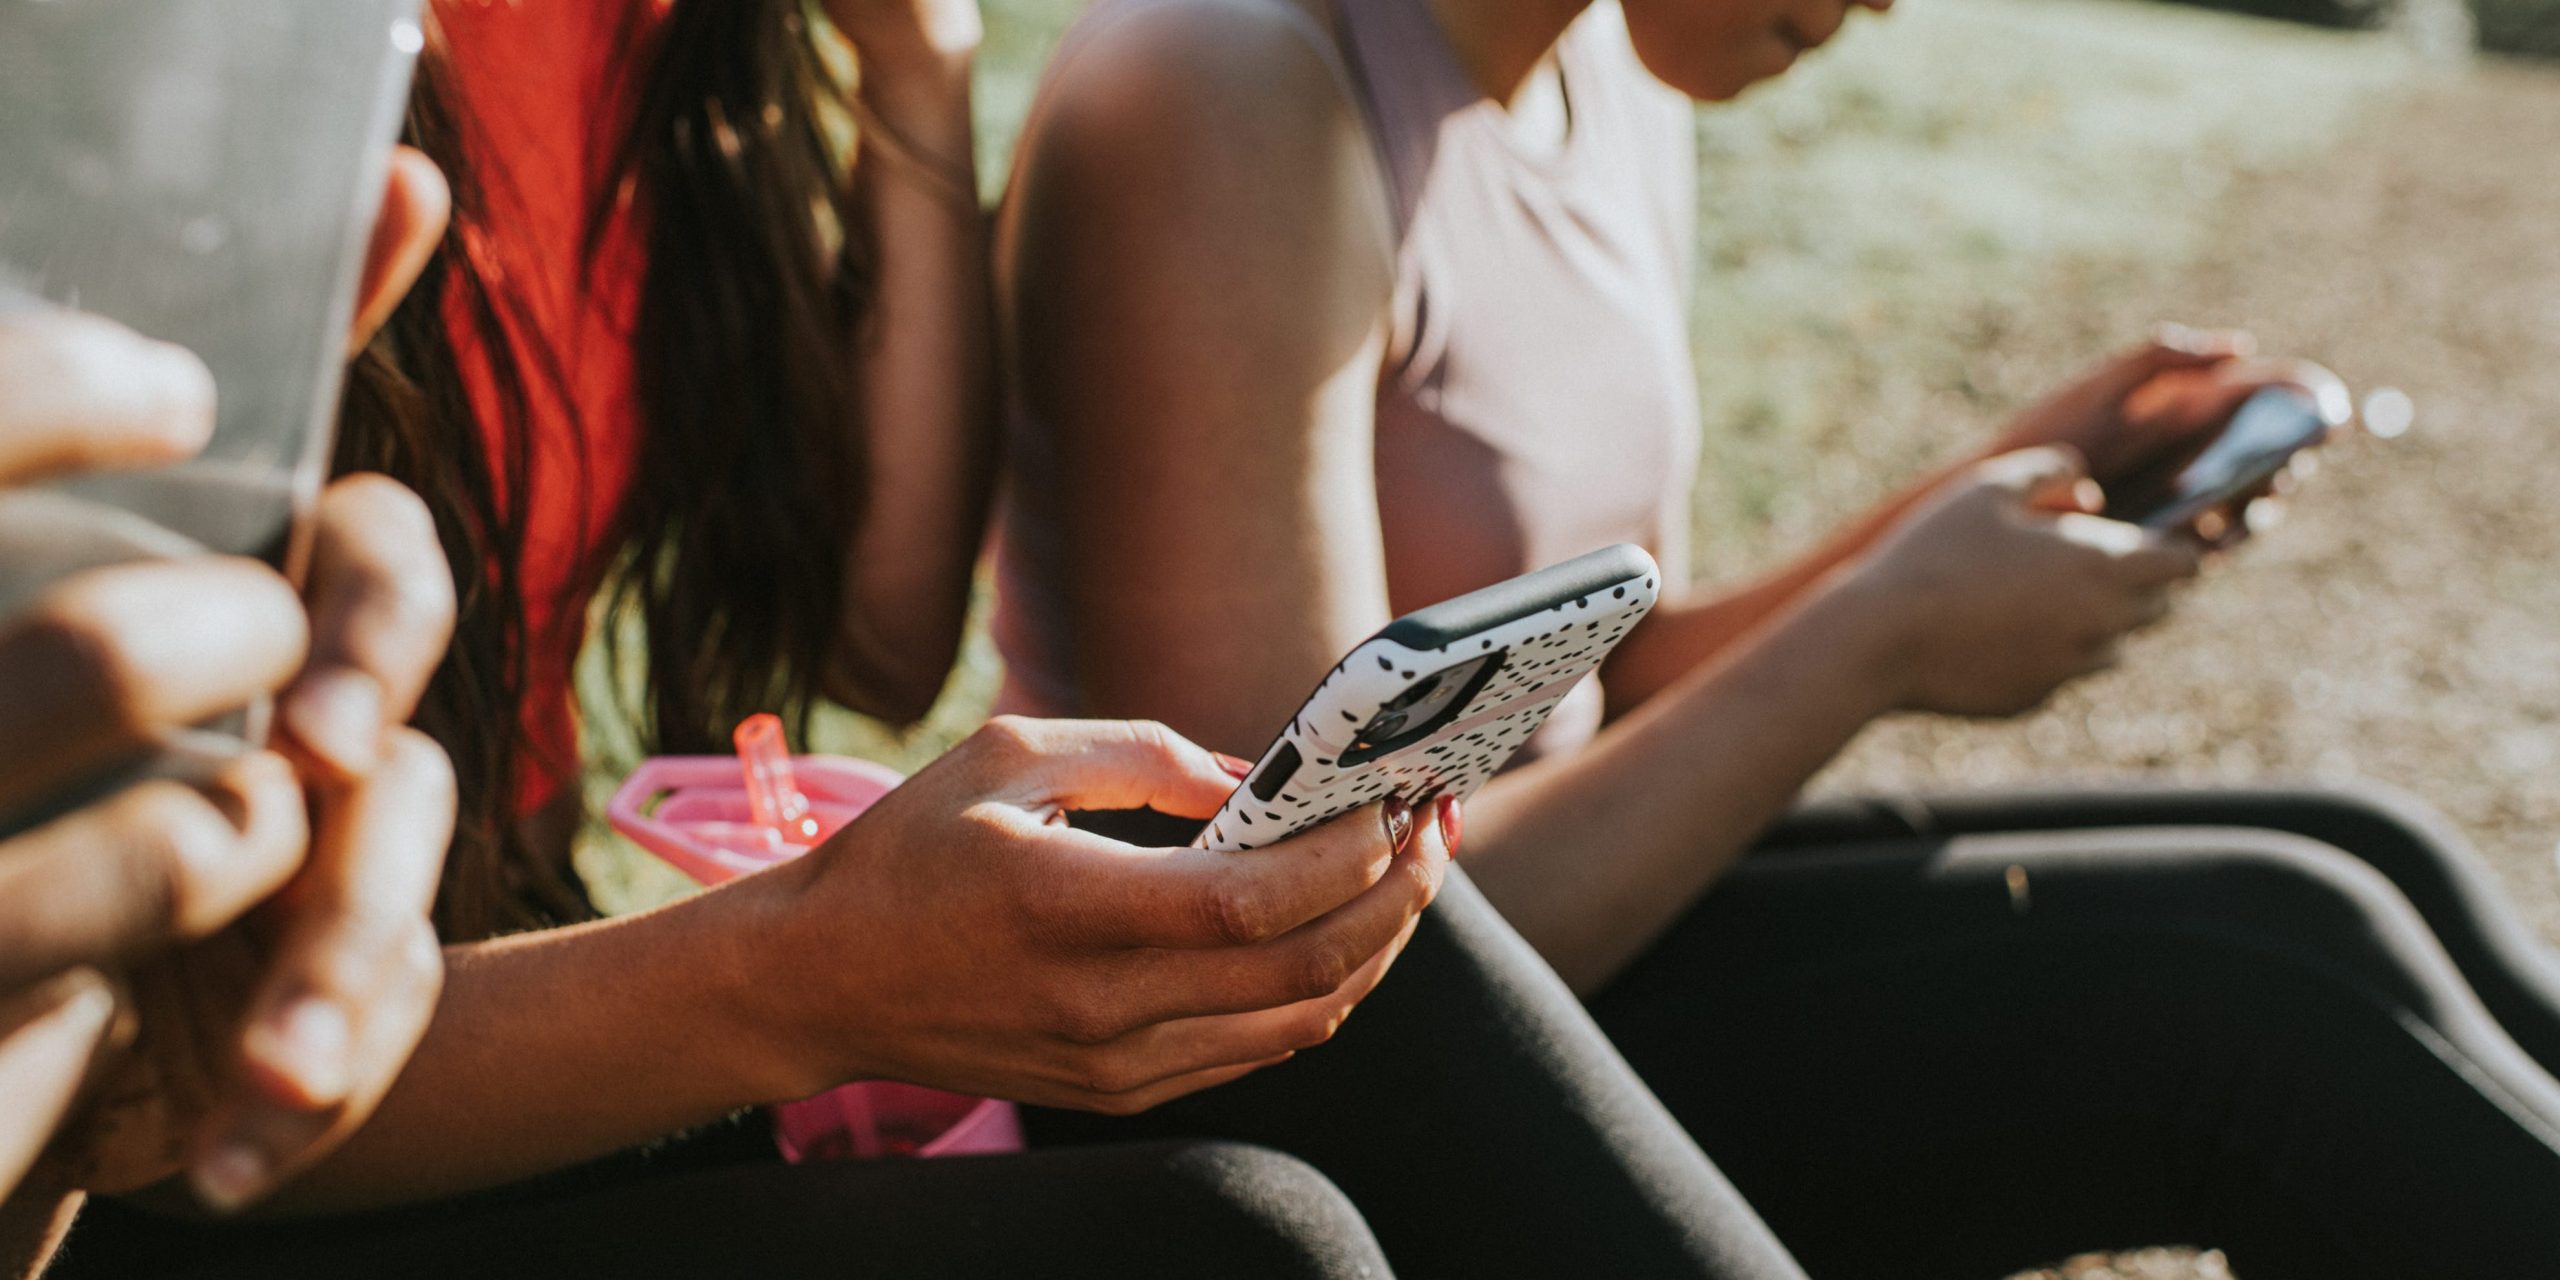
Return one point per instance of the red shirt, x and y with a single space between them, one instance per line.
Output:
542 88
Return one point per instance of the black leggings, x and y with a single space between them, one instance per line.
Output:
1959 1038
2514 973
1967 1037
1148 1210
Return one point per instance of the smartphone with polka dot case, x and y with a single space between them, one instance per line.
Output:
1439 700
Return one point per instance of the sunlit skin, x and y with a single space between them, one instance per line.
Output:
1195 281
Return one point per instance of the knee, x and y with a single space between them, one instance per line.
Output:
2385 825
1271 1213
2305 899
2294 880
2272 888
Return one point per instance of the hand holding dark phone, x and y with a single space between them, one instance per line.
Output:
2262 436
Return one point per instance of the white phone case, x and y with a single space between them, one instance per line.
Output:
1542 633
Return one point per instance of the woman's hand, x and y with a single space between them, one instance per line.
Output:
961 935
2004 587
2139 417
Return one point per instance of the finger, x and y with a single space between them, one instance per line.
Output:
1105 764
416 204
110 660
49 1036
2173 347
1307 963
2158 560
2180 346
156 865
2211 403
1188 1055
1155 1095
2045 476
1116 896
2222 396
382 606
353 983
78 392
1187 1046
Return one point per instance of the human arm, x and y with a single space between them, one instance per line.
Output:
956 935
926 357
2133 419
1194 270
1981 601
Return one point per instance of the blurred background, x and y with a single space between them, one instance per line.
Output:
1956 206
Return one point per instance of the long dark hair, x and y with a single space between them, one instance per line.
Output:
757 282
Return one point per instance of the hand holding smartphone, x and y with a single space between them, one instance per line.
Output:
2262 436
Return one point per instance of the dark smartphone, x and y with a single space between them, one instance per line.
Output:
2267 431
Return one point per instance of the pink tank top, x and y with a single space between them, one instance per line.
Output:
1538 398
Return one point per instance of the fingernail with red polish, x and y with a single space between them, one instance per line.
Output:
1452 820
1237 769
1399 817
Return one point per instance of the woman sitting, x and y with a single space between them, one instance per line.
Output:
1320 312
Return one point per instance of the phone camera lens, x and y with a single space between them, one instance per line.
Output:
1421 689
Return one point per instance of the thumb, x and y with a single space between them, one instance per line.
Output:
416 204
2172 347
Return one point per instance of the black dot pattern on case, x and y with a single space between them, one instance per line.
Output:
1542 648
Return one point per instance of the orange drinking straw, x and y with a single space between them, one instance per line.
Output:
774 799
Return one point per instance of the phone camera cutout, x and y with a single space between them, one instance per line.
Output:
1430 702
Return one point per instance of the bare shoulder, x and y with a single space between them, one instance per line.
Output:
1203 89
